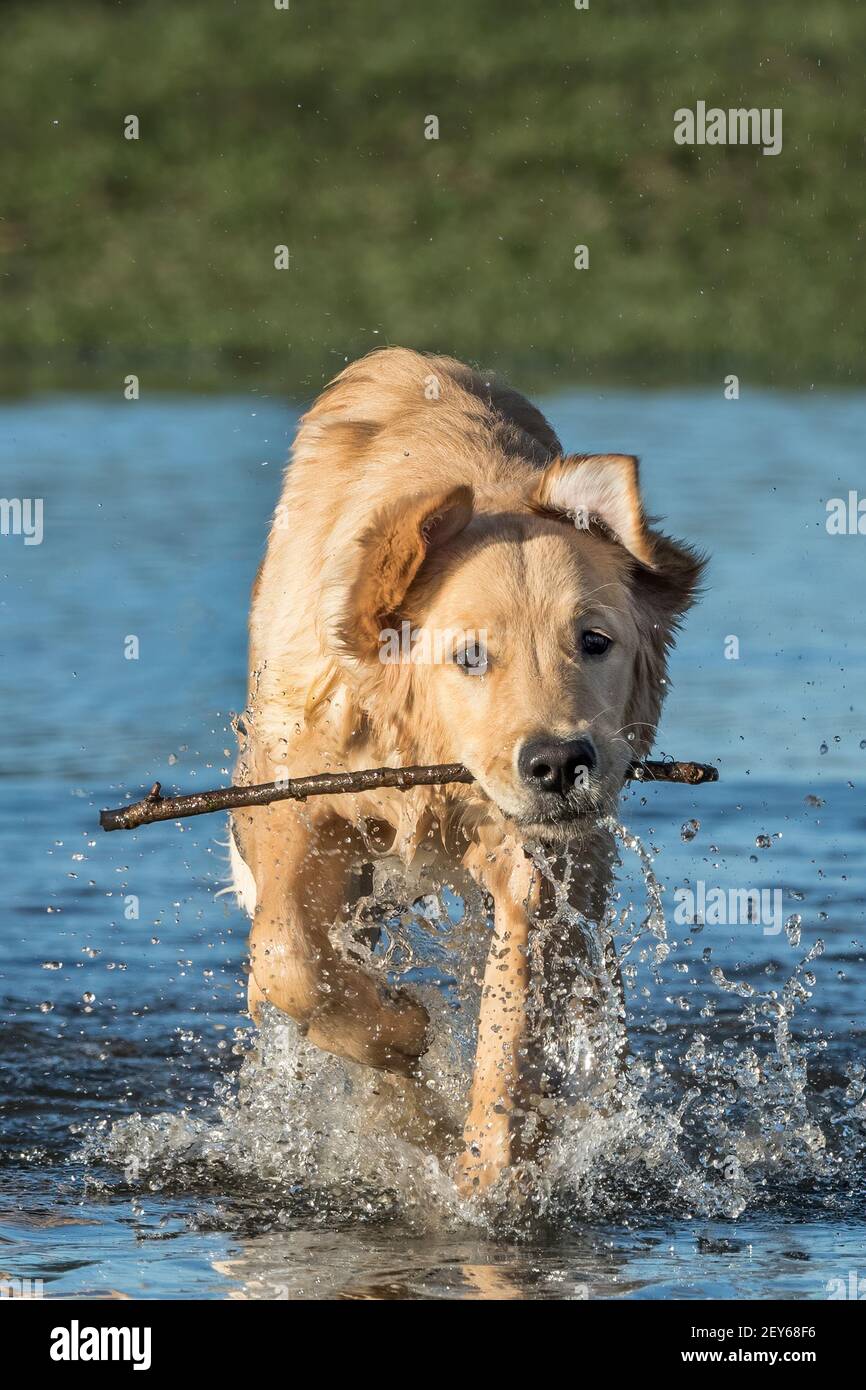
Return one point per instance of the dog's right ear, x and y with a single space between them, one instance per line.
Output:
369 583
588 488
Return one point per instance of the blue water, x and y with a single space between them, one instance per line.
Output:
155 516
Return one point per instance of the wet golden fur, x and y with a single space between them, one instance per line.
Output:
420 492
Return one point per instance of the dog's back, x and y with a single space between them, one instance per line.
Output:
392 385
396 420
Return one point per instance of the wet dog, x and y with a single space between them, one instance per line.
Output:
443 584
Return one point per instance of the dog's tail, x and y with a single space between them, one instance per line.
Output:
243 885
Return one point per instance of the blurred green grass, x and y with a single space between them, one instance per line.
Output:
306 127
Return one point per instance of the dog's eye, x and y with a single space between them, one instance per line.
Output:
594 643
472 658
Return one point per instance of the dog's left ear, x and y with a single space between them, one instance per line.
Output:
591 488
666 590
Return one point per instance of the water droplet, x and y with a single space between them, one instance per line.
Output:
792 928
690 829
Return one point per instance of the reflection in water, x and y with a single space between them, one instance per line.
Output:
377 1264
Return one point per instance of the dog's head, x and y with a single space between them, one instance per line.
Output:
529 644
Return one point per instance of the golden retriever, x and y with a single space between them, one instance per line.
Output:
443 584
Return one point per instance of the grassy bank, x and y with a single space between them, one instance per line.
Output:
305 127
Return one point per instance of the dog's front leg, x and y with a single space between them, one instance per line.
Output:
300 870
490 1132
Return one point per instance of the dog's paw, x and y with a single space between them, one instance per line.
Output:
474 1173
369 1024
487 1150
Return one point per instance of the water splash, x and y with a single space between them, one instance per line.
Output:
661 1117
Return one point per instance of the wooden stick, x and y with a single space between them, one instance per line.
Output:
156 807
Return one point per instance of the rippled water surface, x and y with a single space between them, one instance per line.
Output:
153 1144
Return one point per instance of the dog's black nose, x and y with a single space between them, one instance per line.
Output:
553 765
